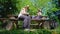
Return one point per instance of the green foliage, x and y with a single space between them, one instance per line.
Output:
16 5
37 31
55 9
7 7
45 5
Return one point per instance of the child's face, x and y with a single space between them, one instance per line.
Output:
24 9
39 13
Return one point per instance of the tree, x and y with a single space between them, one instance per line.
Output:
7 7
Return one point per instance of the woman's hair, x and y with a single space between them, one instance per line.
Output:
26 7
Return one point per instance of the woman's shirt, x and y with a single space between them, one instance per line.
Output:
22 12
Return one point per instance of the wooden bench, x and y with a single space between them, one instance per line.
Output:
13 19
41 22
9 25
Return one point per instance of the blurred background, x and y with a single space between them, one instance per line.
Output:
49 8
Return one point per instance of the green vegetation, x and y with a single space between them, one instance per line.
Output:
14 7
36 31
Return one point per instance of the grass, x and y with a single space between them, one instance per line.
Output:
34 31
21 31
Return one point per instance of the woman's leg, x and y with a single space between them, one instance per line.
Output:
28 22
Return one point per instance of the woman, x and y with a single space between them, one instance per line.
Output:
25 16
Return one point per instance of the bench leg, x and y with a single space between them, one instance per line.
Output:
9 25
40 25
16 24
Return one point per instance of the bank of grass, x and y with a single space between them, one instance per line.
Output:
36 31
